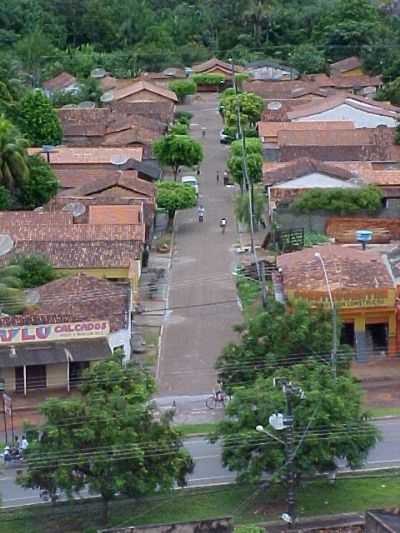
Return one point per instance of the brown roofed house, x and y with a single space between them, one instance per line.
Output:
268 131
115 214
142 91
216 66
63 82
350 66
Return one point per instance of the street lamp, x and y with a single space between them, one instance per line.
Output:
334 315
261 429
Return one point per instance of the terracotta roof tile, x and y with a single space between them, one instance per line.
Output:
139 86
86 254
84 297
279 172
125 179
162 110
268 129
213 63
34 217
329 137
347 268
60 82
344 65
63 155
115 214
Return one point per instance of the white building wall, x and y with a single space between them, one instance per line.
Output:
315 180
361 118
121 337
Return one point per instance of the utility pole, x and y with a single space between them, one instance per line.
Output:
249 187
285 422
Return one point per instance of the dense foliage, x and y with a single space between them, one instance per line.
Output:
108 440
40 38
183 88
176 151
33 270
172 196
340 201
329 425
254 159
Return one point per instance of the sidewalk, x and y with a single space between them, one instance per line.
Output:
202 295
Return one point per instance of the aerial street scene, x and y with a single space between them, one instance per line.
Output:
200 266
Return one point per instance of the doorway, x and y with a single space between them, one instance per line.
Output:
36 378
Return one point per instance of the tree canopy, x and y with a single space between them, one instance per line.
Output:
108 440
172 196
176 151
329 425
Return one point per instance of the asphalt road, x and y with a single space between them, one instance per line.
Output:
209 470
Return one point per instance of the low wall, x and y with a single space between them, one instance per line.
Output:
317 221
217 525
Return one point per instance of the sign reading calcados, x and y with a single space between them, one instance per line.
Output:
54 332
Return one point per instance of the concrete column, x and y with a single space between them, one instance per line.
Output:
360 338
25 380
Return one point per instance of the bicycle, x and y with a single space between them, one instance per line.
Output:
217 400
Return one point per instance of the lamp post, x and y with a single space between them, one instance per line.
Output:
2 389
334 315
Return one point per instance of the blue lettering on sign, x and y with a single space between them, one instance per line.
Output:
7 335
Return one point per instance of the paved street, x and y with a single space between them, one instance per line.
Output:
209 470
202 263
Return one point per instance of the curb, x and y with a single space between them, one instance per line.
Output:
386 417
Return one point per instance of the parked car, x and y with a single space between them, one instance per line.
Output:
192 181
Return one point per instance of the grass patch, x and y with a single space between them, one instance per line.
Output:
383 411
249 292
247 504
195 429
151 335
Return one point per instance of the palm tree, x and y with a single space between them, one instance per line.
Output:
257 14
12 297
13 156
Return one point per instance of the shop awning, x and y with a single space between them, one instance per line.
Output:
53 353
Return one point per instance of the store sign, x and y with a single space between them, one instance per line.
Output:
346 299
54 332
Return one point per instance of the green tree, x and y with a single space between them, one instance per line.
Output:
183 88
254 160
109 440
329 425
307 59
242 208
14 167
178 150
172 196
12 299
390 92
250 106
38 120
341 201
40 186
270 338
33 51
33 270
257 15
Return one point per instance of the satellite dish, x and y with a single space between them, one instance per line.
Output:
107 97
87 105
69 106
39 209
32 296
98 73
6 244
274 106
74 208
119 159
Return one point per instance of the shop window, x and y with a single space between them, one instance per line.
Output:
377 337
36 378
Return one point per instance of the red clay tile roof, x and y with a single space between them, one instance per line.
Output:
279 172
368 106
82 255
214 62
347 268
84 297
34 217
271 129
344 65
64 155
20 232
115 214
60 82
139 86
329 137
125 179
162 110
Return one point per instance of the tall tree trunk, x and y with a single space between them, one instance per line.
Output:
176 170
105 510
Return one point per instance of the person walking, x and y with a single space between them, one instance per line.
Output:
226 177
201 212
217 176
222 224
203 131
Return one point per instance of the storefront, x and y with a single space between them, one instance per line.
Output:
50 356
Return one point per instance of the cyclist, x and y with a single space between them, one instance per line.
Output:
219 391
222 224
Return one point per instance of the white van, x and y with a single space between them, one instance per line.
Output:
192 181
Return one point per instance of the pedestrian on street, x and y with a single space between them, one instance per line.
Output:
217 176
198 171
226 177
24 444
203 131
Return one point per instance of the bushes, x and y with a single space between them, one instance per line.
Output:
183 88
208 79
340 201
